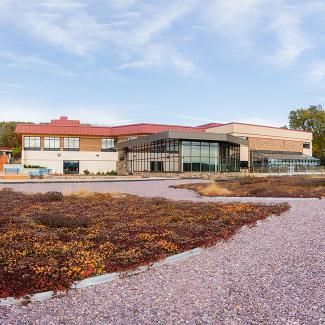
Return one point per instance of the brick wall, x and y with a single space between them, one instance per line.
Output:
3 160
275 144
90 144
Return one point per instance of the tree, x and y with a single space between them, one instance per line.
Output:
7 134
311 119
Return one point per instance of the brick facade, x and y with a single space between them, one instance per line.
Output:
90 144
275 144
3 160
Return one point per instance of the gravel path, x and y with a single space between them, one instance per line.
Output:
270 274
152 188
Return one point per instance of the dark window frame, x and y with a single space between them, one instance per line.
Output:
51 140
29 147
70 140
106 148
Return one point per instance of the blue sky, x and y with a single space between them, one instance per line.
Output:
188 62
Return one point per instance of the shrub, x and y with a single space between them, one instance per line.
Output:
53 220
50 196
49 245
86 172
33 166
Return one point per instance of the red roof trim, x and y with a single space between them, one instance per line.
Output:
209 125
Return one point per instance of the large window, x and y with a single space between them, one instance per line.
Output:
51 144
173 155
203 157
70 167
71 144
108 145
156 156
32 143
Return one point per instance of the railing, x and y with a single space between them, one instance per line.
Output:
39 172
11 170
289 169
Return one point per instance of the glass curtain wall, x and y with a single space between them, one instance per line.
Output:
173 155
156 156
260 161
204 156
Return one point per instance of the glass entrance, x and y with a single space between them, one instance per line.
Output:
70 167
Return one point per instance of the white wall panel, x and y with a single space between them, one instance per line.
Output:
94 162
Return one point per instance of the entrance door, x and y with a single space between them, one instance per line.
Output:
156 166
70 167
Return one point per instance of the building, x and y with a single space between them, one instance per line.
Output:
67 146
5 156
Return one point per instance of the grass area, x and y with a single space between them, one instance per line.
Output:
286 186
47 241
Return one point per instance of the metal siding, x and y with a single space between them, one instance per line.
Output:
100 131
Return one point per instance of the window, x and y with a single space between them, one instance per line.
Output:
306 145
71 144
108 145
51 144
70 167
32 143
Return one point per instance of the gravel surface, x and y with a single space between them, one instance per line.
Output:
152 188
270 274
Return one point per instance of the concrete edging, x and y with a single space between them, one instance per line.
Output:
104 278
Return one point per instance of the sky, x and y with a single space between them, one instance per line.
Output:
187 62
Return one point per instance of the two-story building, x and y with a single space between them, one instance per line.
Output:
66 146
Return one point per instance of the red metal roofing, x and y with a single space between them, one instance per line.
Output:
209 125
63 126
64 121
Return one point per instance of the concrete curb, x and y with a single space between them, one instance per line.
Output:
105 278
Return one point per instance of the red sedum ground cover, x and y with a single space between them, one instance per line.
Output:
276 186
48 241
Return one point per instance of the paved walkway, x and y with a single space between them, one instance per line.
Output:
270 274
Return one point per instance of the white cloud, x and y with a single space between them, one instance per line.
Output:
161 54
10 85
128 29
16 61
316 73
235 19
38 112
292 42
271 31
140 34
62 23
